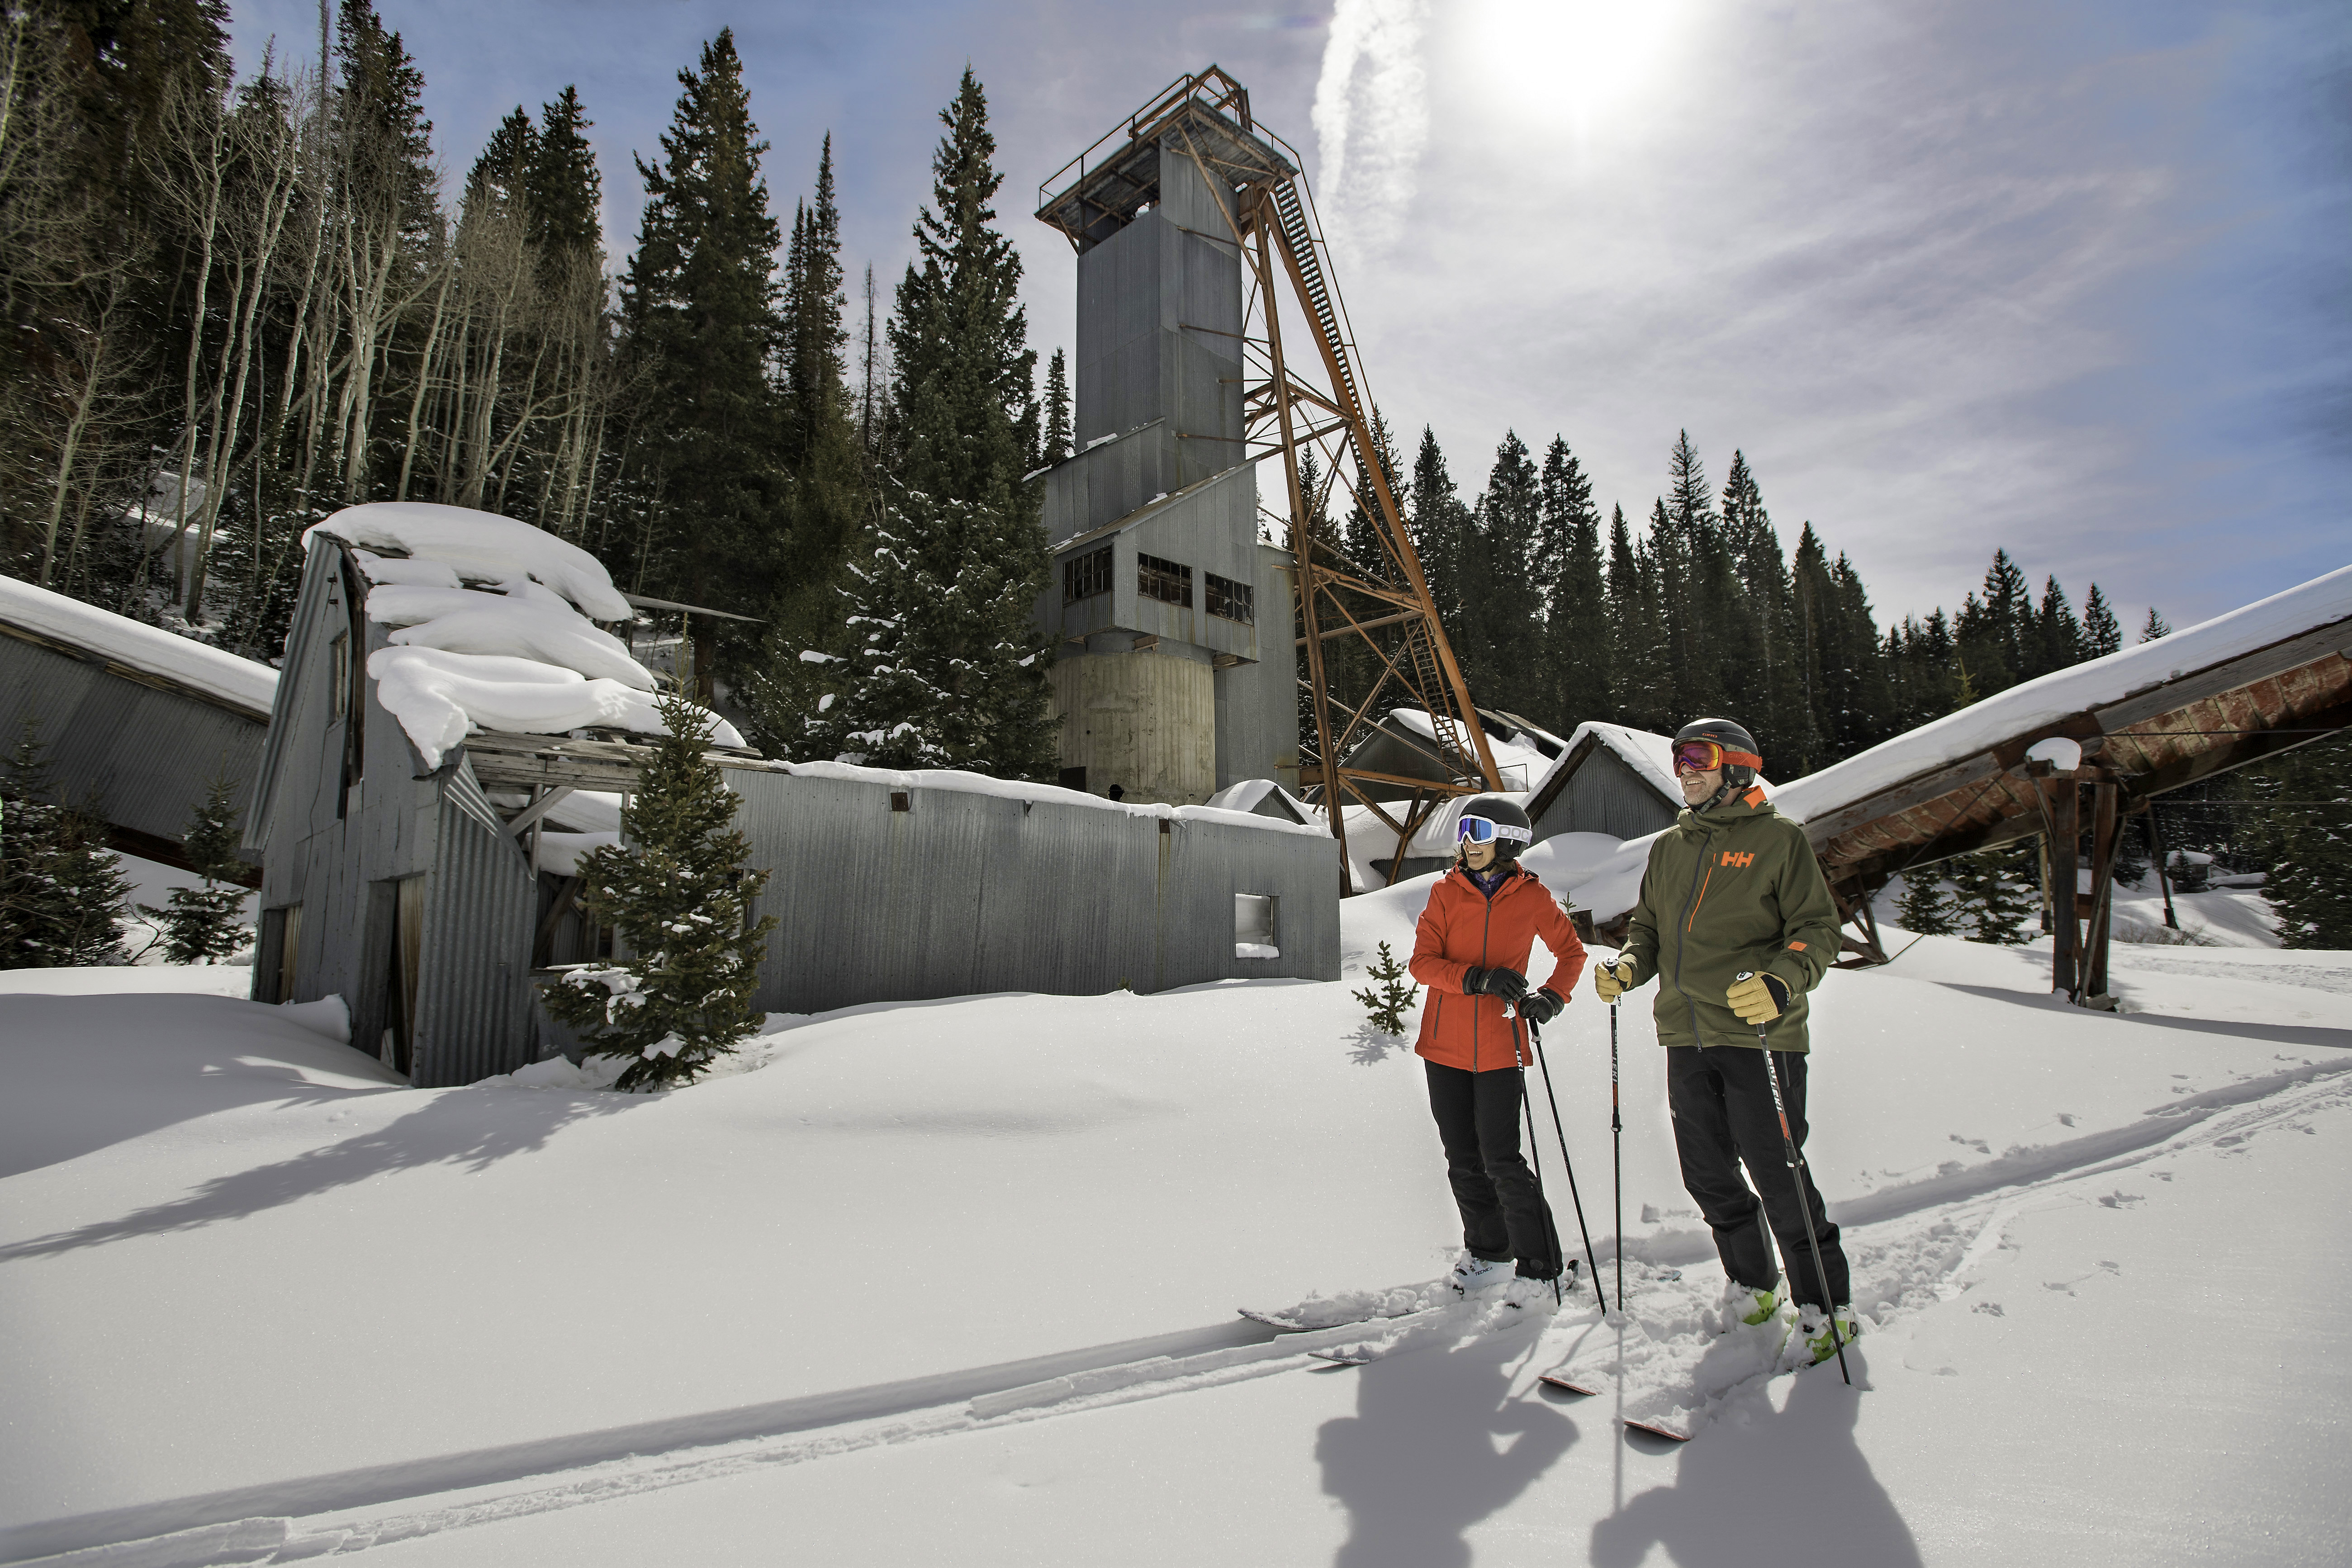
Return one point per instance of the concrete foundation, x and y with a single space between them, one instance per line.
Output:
1143 721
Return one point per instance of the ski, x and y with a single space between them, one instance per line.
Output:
1567 1385
1658 1429
1354 1307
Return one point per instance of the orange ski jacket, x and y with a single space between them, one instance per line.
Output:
1461 929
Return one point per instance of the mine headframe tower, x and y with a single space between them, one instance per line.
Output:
1303 392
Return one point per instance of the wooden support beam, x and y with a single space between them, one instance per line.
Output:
2104 840
522 821
2063 810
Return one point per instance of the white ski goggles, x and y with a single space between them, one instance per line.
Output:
1485 830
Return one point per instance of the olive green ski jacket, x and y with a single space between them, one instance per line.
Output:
1733 889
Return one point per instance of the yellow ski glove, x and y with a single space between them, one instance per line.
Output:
1757 998
1611 981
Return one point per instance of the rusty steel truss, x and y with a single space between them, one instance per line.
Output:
1303 395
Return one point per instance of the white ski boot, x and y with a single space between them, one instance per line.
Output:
1473 1273
1535 1295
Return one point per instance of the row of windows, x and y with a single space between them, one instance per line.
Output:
1170 582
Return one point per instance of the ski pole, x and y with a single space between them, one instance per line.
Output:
1575 1197
1617 1156
1799 1180
1534 1161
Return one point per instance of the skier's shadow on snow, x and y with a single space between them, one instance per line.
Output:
1436 1444
1787 1487
471 1129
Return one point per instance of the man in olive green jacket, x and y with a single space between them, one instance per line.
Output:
1733 889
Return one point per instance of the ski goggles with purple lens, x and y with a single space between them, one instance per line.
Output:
1485 830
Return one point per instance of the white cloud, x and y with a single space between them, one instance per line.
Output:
1371 118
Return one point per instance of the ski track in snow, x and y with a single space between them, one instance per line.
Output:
1662 1360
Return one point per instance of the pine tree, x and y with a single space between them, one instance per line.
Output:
1579 664
2057 641
1926 907
700 300
1057 410
203 925
1502 613
2101 633
1637 619
675 893
1996 893
948 669
62 888
1769 684
1391 993
2155 626
1440 525
563 191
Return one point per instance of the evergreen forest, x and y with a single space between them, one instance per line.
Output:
238 303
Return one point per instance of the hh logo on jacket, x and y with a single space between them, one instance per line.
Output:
1742 858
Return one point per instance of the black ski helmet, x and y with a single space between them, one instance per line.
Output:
1733 739
1513 832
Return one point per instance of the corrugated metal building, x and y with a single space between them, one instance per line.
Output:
408 893
1600 787
396 889
144 741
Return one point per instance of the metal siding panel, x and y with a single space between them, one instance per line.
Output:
965 892
474 980
149 753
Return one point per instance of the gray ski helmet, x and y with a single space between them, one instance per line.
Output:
1512 830
1740 757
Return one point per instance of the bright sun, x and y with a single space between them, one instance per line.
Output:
1570 59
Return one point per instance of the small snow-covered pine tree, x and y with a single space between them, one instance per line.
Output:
675 893
1994 896
1394 993
62 888
1926 907
201 925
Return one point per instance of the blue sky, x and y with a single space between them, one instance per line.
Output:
2067 277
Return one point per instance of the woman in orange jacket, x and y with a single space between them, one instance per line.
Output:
1476 935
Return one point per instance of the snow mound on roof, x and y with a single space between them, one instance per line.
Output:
523 621
1650 756
480 545
2053 698
136 646
1251 795
404 571
439 697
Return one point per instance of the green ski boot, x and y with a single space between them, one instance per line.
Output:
1746 1304
1813 1332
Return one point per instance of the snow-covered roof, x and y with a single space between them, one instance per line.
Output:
2050 698
1017 789
524 657
1520 765
151 650
479 546
1251 795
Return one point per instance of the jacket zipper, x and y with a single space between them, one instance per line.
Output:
1690 913
1485 927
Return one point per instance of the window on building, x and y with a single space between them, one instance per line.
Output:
1163 580
1084 576
1234 600
1255 935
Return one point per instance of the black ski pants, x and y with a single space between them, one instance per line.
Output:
1503 1212
1722 1106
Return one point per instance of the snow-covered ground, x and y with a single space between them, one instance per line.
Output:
898 1289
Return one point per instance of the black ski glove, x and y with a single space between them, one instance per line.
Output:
1541 1007
1507 983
